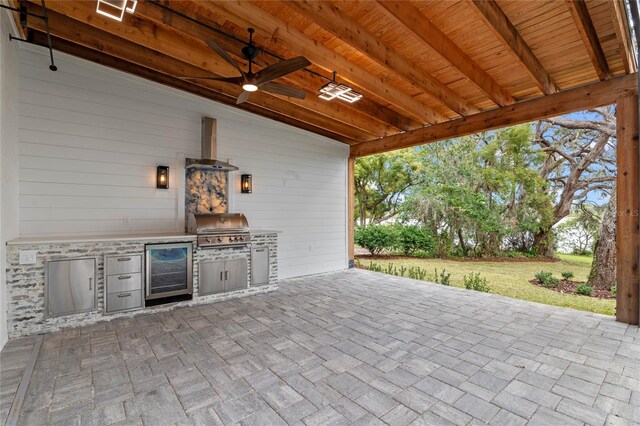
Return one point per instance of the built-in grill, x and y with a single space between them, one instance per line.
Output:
219 229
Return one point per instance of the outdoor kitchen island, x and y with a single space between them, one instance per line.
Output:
30 312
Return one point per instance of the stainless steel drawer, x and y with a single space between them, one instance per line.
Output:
124 282
127 264
124 300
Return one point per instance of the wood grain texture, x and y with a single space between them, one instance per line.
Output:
628 210
503 28
584 24
623 35
329 17
409 16
589 96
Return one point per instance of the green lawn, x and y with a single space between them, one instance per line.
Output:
512 278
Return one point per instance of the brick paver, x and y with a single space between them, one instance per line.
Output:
352 347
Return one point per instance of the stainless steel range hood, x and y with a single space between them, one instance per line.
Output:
209 150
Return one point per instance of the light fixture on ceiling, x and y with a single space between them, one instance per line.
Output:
249 87
333 90
115 9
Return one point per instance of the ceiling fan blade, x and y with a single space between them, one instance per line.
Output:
234 80
223 54
281 68
283 89
244 97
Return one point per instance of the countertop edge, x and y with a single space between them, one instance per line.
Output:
107 238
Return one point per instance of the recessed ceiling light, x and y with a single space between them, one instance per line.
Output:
115 9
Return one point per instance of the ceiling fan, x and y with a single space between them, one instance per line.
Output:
261 80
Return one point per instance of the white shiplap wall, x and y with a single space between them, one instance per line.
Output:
91 138
8 154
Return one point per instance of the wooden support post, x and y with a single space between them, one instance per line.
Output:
628 205
351 162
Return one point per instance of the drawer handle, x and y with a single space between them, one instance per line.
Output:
124 259
259 250
124 294
124 277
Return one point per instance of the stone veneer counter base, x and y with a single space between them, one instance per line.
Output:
26 283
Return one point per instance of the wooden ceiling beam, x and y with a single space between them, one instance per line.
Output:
507 33
413 20
623 35
329 16
581 98
339 111
16 18
359 131
101 58
584 24
92 38
245 14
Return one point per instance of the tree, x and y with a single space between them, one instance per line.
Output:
480 191
580 160
381 182
603 267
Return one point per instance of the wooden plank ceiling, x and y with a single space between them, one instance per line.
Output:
418 63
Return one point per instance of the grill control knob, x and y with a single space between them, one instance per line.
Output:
208 240
241 238
219 239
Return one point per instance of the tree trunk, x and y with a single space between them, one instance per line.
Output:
542 243
603 268
463 246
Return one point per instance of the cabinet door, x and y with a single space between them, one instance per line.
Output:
211 278
259 266
71 286
236 274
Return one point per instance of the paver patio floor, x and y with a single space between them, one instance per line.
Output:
347 347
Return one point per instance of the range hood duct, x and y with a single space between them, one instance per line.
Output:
209 150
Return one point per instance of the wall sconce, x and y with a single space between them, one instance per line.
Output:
162 177
115 9
246 184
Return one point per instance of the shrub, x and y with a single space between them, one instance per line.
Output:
443 278
614 290
567 275
413 238
417 273
474 282
375 238
546 279
584 289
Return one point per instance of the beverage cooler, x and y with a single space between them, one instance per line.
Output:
169 270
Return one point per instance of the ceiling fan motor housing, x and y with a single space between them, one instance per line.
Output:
250 52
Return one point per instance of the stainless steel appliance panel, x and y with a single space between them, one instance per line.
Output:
235 274
124 300
259 266
128 264
168 270
124 282
70 286
211 277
